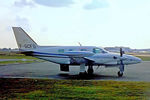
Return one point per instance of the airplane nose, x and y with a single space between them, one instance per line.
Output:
138 60
132 59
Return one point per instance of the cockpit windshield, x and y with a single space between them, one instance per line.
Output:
99 50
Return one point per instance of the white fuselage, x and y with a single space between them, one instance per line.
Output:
78 54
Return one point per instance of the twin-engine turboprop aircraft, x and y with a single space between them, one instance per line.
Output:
73 55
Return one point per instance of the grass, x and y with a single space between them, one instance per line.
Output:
29 59
44 89
144 58
16 56
15 62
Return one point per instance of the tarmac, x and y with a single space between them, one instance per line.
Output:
48 70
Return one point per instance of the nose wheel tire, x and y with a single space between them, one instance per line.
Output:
120 74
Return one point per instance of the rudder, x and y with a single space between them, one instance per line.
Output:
24 41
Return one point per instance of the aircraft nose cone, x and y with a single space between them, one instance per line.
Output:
138 60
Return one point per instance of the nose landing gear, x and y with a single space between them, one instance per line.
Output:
121 67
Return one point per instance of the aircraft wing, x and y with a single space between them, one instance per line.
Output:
89 59
81 54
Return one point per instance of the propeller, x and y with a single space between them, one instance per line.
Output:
121 62
121 52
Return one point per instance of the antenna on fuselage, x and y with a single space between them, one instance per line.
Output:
79 43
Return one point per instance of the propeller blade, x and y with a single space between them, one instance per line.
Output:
121 52
121 67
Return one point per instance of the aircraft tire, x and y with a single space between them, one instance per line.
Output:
120 74
90 71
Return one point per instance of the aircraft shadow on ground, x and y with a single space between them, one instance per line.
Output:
87 77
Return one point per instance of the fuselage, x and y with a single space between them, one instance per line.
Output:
58 54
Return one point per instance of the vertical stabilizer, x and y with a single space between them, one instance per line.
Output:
24 41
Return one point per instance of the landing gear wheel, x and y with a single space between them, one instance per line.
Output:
120 74
90 71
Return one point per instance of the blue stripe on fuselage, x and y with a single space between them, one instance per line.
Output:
50 54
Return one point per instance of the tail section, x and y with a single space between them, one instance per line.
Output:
24 41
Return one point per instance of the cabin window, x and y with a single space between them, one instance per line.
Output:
61 50
83 50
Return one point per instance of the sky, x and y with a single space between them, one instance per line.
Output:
104 23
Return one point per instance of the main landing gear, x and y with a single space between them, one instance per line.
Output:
83 72
90 70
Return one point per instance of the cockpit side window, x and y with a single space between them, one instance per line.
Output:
98 50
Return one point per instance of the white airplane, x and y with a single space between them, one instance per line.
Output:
73 55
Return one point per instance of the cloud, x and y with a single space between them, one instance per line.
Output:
96 4
23 3
54 3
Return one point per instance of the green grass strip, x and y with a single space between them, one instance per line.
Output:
44 89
